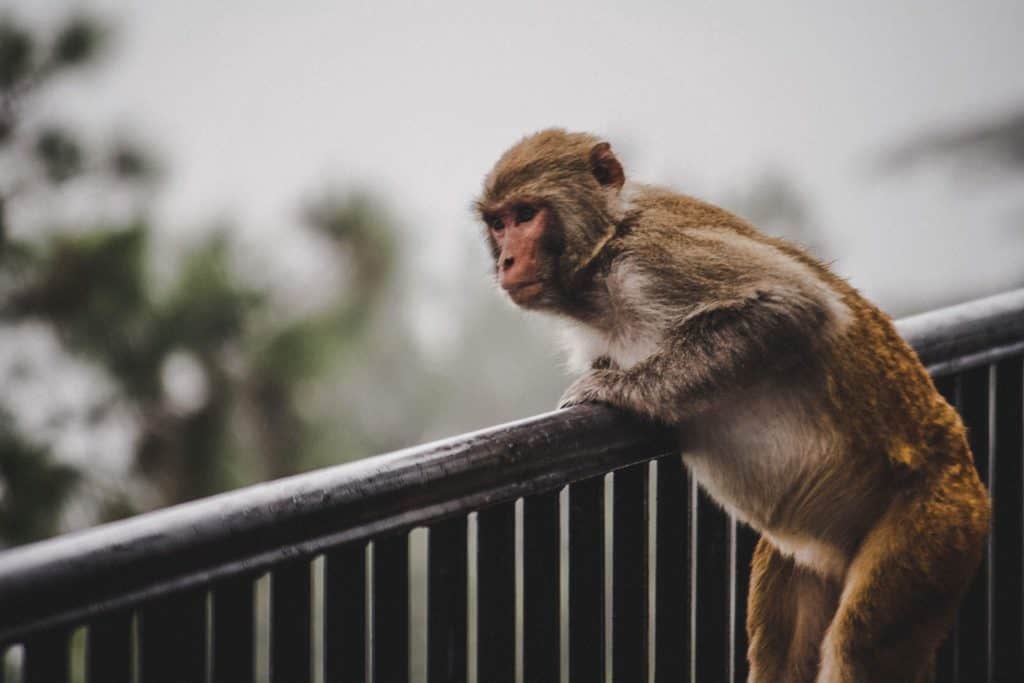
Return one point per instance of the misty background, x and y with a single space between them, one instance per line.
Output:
236 239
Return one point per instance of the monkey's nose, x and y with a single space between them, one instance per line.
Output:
507 262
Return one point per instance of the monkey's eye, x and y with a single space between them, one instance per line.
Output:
495 223
524 213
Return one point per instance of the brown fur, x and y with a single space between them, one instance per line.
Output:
801 409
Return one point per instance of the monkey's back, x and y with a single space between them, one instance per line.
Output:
808 449
862 350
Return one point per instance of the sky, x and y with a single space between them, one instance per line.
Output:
257 105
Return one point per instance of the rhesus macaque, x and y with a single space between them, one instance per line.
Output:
800 409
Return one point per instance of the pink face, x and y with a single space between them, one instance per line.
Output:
516 231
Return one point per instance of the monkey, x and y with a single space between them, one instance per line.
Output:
799 408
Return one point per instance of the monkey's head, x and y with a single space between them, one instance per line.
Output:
550 205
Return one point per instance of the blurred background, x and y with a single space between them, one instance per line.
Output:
236 240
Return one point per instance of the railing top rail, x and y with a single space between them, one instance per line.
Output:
246 531
968 334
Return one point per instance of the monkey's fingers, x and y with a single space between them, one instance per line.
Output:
591 387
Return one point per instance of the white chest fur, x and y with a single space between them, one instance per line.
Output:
586 344
631 332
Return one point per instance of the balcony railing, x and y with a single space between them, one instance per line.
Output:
568 546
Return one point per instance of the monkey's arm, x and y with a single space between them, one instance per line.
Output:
723 347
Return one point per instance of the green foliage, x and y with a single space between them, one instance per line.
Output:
218 380
78 41
78 284
357 225
59 154
33 488
17 51
26 67
208 305
129 162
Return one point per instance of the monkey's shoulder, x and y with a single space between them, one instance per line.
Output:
674 275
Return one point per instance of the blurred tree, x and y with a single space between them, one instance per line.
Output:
343 379
33 487
217 380
34 159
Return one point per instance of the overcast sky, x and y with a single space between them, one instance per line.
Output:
257 104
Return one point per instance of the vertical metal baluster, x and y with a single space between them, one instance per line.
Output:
586 581
173 638
234 620
1006 481
345 611
46 658
446 602
291 635
108 654
712 608
672 573
391 609
972 621
540 579
629 574
496 602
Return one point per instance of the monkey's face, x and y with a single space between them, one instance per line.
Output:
523 239
550 208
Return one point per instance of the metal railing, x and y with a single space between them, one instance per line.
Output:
568 546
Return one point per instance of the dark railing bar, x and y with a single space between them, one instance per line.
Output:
630 586
109 648
586 581
972 618
234 604
495 598
694 552
291 636
1006 485
446 601
992 467
346 634
390 608
672 571
541 606
966 329
974 360
67 579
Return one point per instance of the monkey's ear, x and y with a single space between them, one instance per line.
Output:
605 167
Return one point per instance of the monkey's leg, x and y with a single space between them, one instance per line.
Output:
788 610
906 581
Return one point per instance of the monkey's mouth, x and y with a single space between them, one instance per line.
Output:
524 292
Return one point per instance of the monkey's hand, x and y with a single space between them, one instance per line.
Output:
707 357
593 386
